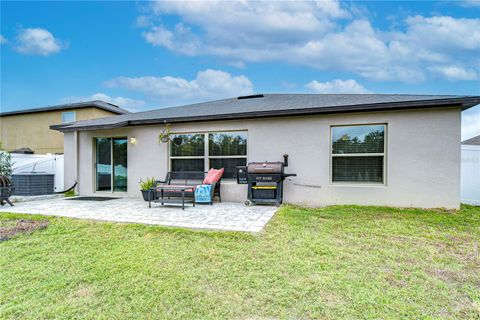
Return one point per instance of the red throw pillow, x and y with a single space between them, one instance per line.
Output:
213 175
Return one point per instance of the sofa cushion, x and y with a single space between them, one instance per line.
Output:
192 189
213 175
203 193
186 182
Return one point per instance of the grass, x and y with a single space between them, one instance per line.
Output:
336 262
70 193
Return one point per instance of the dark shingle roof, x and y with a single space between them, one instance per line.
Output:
87 104
472 141
271 105
23 151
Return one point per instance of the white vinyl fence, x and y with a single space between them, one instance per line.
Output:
470 179
46 163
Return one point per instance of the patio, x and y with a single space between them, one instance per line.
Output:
226 216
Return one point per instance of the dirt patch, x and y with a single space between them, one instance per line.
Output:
450 276
20 226
395 281
83 292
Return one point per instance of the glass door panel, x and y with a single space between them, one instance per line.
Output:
120 164
103 164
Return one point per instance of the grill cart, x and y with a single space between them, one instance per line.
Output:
265 181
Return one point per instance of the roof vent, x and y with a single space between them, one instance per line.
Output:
253 96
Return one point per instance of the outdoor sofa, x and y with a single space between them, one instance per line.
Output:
188 178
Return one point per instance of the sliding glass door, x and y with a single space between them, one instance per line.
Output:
111 164
119 164
103 165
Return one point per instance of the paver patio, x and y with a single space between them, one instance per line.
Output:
227 216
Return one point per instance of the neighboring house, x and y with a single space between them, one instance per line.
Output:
30 129
470 179
372 149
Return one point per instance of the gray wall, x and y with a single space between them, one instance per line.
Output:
70 165
422 157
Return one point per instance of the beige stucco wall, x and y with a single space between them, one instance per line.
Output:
423 157
32 130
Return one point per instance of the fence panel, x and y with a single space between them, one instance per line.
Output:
470 179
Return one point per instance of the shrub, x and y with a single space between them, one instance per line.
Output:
5 164
147 184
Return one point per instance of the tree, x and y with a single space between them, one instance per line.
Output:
372 142
5 164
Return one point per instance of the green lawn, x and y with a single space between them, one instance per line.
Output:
335 262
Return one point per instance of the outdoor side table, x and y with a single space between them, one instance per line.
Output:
177 200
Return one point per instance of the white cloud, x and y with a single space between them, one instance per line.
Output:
159 36
280 18
470 3
3 39
288 85
442 33
127 103
37 41
455 73
324 35
232 27
237 64
208 85
336 86
471 123
142 22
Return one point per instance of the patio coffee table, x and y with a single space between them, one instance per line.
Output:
170 199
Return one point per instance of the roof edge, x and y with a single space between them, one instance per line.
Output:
463 103
473 141
65 127
84 104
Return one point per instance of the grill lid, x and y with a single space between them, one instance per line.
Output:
265 167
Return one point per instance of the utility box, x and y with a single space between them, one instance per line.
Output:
33 183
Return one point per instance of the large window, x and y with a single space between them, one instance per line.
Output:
202 151
358 153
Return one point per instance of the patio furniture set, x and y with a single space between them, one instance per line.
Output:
264 180
187 187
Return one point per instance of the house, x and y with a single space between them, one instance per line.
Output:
366 149
470 176
24 131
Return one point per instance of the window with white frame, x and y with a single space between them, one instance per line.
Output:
68 116
202 151
358 153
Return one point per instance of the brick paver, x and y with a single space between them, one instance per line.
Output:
227 216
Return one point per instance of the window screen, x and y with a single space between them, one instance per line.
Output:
358 153
227 144
202 151
187 145
68 116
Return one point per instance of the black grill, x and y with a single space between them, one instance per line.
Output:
265 181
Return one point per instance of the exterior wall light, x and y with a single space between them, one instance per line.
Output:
133 140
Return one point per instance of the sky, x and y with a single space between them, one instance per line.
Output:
147 55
